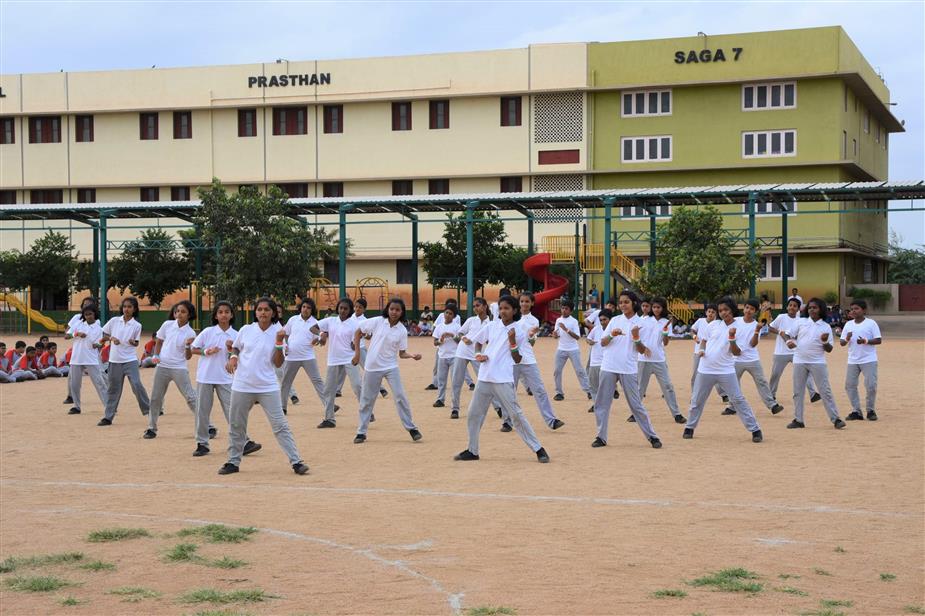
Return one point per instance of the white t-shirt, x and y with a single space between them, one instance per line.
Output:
597 351
867 329
256 373
77 318
447 348
527 323
566 342
340 339
299 345
591 318
211 368
173 350
808 336
493 310
469 330
386 343
123 352
699 326
359 319
82 351
783 323
620 354
744 333
650 334
717 358
499 368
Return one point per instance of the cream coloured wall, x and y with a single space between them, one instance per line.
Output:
290 158
44 164
11 158
236 157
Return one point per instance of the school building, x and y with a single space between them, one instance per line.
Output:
768 107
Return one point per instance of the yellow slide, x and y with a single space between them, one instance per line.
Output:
46 322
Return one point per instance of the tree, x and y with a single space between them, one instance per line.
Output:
11 272
48 266
150 267
262 249
908 266
695 260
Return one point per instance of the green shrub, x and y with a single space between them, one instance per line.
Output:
875 297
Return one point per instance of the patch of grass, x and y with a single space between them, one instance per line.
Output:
134 594
788 576
97 565
835 603
116 534
887 577
43 583
825 612
669 592
914 609
226 563
730 580
487 610
790 590
211 595
183 552
840 550
818 571
19 562
219 533
69 601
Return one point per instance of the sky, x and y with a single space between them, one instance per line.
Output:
76 36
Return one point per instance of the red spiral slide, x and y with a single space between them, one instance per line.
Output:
537 267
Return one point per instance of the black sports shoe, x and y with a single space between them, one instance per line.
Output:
871 415
616 395
372 417
725 399
454 415
631 419
498 411
529 393
777 408
430 387
465 456
556 424
228 468
599 442
439 404
757 436
558 397
541 456
300 468
359 438
201 450
213 431
294 399
285 411
679 419
415 435
839 424
656 444
338 394
149 434
591 410
590 397
327 423
472 387
506 427
855 416
688 433
383 393
68 400
795 424
336 408
251 447
728 411
815 398
74 411
104 422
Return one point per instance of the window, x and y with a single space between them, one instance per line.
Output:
46 196
868 270
182 125
7 197
295 190
86 195
438 187
647 103
179 193
290 121
333 119
7 131
769 96
638 210
45 129
439 114
332 271
510 111
83 128
401 116
771 207
247 122
512 184
867 121
148 126
642 149
402 187
404 271
332 189
769 267
772 143
150 193
854 147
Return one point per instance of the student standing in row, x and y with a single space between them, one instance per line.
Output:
465 350
388 343
124 333
654 336
568 333
256 352
445 341
748 332
173 349
68 332
862 334
499 349
293 396
596 355
85 356
337 332
718 349
301 341
783 354
359 315
527 369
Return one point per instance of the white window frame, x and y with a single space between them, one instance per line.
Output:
646 159
766 209
768 106
791 258
638 210
768 134
634 114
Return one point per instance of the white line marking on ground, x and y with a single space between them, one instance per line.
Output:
454 600
776 541
468 495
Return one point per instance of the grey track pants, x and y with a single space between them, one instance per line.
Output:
117 375
56 371
444 368
761 384
530 373
819 374
204 394
694 374
482 398
460 368
241 405
336 375
594 379
604 400
777 370
162 378
75 378
575 357
372 381
869 370
704 384
290 370
6 378
660 370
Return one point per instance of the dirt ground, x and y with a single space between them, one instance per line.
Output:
395 527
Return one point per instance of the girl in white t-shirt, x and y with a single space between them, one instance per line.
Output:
301 339
337 333
68 334
124 334
596 356
85 355
527 369
655 336
445 341
173 349
255 353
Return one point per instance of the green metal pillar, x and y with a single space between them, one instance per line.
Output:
530 250
415 306
342 250
576 294
752 287
95 270
104 282
784 257
652 231
470 267
608 211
